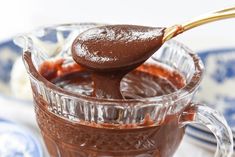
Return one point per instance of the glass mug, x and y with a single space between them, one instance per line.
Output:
71 123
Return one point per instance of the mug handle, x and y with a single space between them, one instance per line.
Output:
201 114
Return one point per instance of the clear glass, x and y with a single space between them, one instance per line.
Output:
77 125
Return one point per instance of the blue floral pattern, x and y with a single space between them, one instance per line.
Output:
17 142
222 76
8 54
224 70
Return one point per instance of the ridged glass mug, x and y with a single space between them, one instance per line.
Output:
71 123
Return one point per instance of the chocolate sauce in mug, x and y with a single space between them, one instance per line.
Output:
112 51
108 58
67 138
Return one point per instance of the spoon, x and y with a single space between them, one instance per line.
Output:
123 47
112 51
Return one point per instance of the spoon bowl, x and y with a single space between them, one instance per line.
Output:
116 47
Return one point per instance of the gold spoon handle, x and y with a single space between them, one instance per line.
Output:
180 28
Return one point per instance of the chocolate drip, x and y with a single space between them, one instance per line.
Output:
112 51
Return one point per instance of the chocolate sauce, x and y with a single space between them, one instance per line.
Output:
70 139
146 81
112 51
107 59
82 139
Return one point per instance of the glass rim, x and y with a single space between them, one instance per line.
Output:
189 88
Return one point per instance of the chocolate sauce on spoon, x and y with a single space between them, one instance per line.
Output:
112 51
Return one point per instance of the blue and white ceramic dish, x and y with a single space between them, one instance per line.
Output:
16 141
218 86
9 52
217 90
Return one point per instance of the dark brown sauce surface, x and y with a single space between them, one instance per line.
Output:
116 47
112 51
146 81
